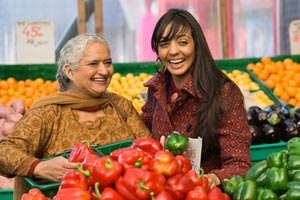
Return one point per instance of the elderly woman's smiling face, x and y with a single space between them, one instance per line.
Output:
94 71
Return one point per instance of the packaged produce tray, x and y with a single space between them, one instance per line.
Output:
6 194
259 152
50 188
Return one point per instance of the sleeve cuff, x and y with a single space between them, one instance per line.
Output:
32 167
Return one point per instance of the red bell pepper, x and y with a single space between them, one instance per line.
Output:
165 163
184 164
123 191
163 195
34 194
143 184
148 145
226 196
79 151
107 194
134 158
115 153
179 185
198 193
74 179
72 193
198 180
87 163
215 193
105 171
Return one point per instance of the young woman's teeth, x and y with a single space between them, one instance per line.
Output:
176 61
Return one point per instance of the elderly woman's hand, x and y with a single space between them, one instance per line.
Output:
53 169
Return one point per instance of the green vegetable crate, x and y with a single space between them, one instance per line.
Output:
6 194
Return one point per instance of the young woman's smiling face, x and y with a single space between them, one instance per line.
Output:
178 53
94 71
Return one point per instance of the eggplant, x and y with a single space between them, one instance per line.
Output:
256 134
262 117
273 118
270 134
291 130
295 114
287 110
252 115
273 107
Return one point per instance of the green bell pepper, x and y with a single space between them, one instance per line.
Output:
277 179
292 173
262 180
231 184
291 194
266 194
293 185
246 190
177 143
297 177
277 159
256 170
295 151
293 162
293 143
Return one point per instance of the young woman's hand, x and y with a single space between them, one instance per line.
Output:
213 180
53 169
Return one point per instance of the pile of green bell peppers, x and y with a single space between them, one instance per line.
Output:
276 177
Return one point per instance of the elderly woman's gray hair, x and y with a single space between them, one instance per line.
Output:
71 54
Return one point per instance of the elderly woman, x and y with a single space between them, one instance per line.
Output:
81 110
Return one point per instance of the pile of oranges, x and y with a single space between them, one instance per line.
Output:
26 90
282 77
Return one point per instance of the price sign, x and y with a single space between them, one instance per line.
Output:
35 42
294 32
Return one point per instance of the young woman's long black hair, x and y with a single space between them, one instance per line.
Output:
207 77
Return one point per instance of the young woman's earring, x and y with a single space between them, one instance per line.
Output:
156 64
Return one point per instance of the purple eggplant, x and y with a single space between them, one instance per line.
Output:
295 114
286 110
270 134
256 134
274 107
291 130
252 115
262 117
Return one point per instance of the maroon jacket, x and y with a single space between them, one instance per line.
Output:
234 134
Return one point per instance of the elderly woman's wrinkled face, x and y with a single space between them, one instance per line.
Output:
94 71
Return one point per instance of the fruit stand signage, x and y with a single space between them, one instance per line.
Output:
35 42
294 32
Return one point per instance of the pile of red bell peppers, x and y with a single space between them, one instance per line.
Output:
143 170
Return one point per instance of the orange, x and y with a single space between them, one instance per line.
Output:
39 81
291 91
250 66
278 90
284 96
287 61
293 101
270 83
266 59
264 74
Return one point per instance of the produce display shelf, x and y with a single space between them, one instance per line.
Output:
6 194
